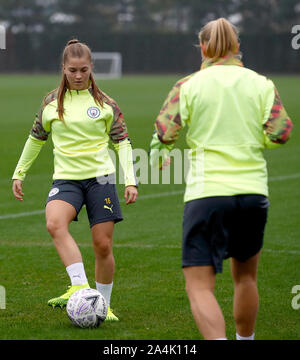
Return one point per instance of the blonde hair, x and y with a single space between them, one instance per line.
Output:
220 37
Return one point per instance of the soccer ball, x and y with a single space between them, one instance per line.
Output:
87 308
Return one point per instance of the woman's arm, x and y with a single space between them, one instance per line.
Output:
118 134
277 124
30 152
168 124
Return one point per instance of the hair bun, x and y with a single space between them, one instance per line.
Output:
73 41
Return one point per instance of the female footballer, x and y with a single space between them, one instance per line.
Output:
81 119
232 114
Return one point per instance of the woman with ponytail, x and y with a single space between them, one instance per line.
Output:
232 114
81 119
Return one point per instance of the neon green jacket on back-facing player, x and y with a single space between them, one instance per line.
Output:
81 140
232 114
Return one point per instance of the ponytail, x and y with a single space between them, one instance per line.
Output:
220 37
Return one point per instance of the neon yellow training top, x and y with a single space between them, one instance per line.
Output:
232 114
81 141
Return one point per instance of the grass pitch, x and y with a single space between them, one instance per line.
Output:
148 294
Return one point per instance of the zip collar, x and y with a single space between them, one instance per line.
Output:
84 91
79 92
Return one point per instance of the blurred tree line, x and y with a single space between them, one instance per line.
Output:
252 16
152 30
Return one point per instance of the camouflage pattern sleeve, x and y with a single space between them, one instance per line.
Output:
38 131
118 130
279 126
168 122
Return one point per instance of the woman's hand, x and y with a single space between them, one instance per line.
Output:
131 194
17 189
165 164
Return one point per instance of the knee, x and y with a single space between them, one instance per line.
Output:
54 226
103 246
199 281
245 285
196 290
191 292
189 288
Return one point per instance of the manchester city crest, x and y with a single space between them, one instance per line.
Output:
93 112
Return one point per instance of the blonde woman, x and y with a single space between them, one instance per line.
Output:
232 114
81 119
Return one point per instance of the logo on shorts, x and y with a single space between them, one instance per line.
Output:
108 202
93 112
53 192
109 208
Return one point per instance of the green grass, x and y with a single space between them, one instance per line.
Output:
149 295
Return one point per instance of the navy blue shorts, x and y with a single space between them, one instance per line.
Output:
216 228
99 196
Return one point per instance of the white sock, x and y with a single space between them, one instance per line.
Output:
239 337
221 339
76 273
105 290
